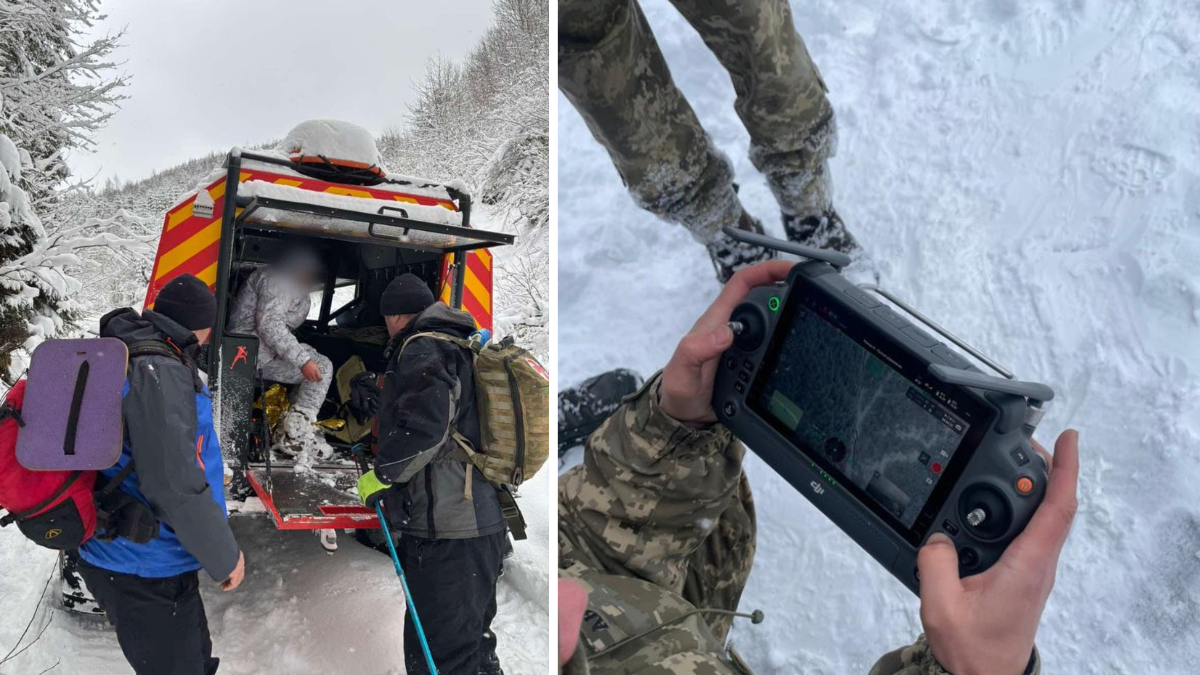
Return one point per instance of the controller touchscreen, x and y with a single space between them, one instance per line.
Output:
849 405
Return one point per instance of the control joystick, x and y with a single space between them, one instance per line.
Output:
986 511
749 326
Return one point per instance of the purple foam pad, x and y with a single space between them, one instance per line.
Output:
54 379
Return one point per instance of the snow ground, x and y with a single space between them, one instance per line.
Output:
300 611
1026 173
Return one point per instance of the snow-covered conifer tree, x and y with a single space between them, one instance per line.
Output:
55 92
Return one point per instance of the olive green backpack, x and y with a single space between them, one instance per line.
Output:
513 394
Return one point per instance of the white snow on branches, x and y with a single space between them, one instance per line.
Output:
45 267
10 158
57 92
482 125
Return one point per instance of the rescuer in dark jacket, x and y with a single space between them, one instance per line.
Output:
452 536
151 591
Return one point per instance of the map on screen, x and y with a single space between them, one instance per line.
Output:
848 406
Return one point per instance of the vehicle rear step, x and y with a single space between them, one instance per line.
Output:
311 500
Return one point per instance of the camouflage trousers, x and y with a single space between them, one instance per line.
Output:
306 397
612 71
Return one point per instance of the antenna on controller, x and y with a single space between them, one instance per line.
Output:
838 260
1036 392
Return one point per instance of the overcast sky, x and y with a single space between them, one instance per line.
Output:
211 74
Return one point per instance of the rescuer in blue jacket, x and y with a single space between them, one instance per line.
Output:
151 591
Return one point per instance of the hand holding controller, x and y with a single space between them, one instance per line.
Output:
985 624
687 384
975 625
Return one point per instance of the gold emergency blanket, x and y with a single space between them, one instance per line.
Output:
274 403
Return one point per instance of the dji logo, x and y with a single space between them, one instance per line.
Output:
817 488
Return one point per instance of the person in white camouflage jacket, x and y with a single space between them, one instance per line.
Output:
271 304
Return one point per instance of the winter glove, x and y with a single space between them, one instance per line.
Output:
364 396
371 489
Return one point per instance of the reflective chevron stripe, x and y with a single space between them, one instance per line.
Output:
189 243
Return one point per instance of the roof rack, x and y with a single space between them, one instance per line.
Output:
391 225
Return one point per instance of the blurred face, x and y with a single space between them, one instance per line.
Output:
309 277
302 265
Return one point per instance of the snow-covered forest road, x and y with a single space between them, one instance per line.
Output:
300 611
1026 173
477 117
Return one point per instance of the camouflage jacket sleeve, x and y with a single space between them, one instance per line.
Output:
917 659
275 296
648 498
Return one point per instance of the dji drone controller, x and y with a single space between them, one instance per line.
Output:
889 432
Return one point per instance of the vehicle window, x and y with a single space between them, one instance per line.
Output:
341 297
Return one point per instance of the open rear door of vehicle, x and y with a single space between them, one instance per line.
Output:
263 200
314 499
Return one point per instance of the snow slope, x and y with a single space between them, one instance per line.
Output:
1026 173
300 611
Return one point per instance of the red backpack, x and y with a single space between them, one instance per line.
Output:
61 509
53 508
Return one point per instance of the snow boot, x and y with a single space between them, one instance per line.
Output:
825 231
583 407
375 539
302 438
490 663
729 256
328 540
76 598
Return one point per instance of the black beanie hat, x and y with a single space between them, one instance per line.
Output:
187 301
406 294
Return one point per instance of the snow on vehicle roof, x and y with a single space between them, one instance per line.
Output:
351 228
409 185
430 214
406 185
331 139
334 139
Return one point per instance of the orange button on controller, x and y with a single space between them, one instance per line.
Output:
1024 485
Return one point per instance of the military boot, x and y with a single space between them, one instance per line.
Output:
582 408
825 231
489 664
729 256
375 539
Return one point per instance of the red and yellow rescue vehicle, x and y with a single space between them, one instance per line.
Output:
369 228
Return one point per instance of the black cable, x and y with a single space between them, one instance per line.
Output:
32 642
756 617
9 656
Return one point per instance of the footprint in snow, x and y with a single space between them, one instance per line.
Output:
1133 169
